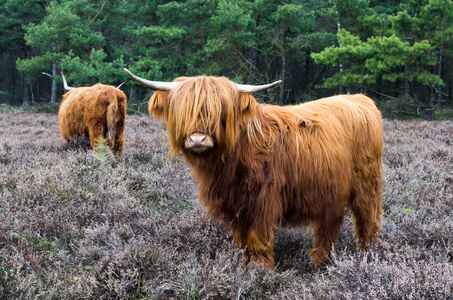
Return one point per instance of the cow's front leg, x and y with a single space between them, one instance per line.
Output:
258 244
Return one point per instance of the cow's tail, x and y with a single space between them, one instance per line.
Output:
112 111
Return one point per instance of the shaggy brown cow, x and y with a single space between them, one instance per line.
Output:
262 166
98 110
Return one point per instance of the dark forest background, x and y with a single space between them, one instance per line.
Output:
398 52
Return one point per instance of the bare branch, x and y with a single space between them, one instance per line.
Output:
102 7
399 100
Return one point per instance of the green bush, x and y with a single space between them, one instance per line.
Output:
5 108
42 108
139 108
444 113
404 109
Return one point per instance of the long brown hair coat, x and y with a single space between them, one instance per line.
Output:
273 166
99 110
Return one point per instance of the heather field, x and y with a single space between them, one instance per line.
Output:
76 223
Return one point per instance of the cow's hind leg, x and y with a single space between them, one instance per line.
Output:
119 138
366 202
326 232
96 132
366 213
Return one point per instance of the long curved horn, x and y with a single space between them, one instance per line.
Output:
65 84
155 85
245 88
168 86
118 87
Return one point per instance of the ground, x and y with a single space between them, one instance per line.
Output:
76 223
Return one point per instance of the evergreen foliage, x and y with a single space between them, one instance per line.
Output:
387 49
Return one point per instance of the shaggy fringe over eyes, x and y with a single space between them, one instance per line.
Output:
201 104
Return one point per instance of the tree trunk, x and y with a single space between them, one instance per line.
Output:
432 99
32 94
340 88
13 74
53 95
316 78
26 98
439 87
406 83
282 86
412 91
307 68
253 62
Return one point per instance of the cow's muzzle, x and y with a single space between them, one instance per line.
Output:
199 142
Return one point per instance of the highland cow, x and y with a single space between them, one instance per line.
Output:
98 110
259 166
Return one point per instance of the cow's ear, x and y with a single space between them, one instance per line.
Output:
158 105
247 105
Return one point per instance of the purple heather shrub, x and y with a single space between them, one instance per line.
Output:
77 223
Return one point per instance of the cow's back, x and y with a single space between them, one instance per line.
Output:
71 116
84 106
354 117
325 142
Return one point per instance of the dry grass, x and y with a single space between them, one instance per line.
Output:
74 223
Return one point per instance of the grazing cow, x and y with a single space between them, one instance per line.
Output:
98 110
259 166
